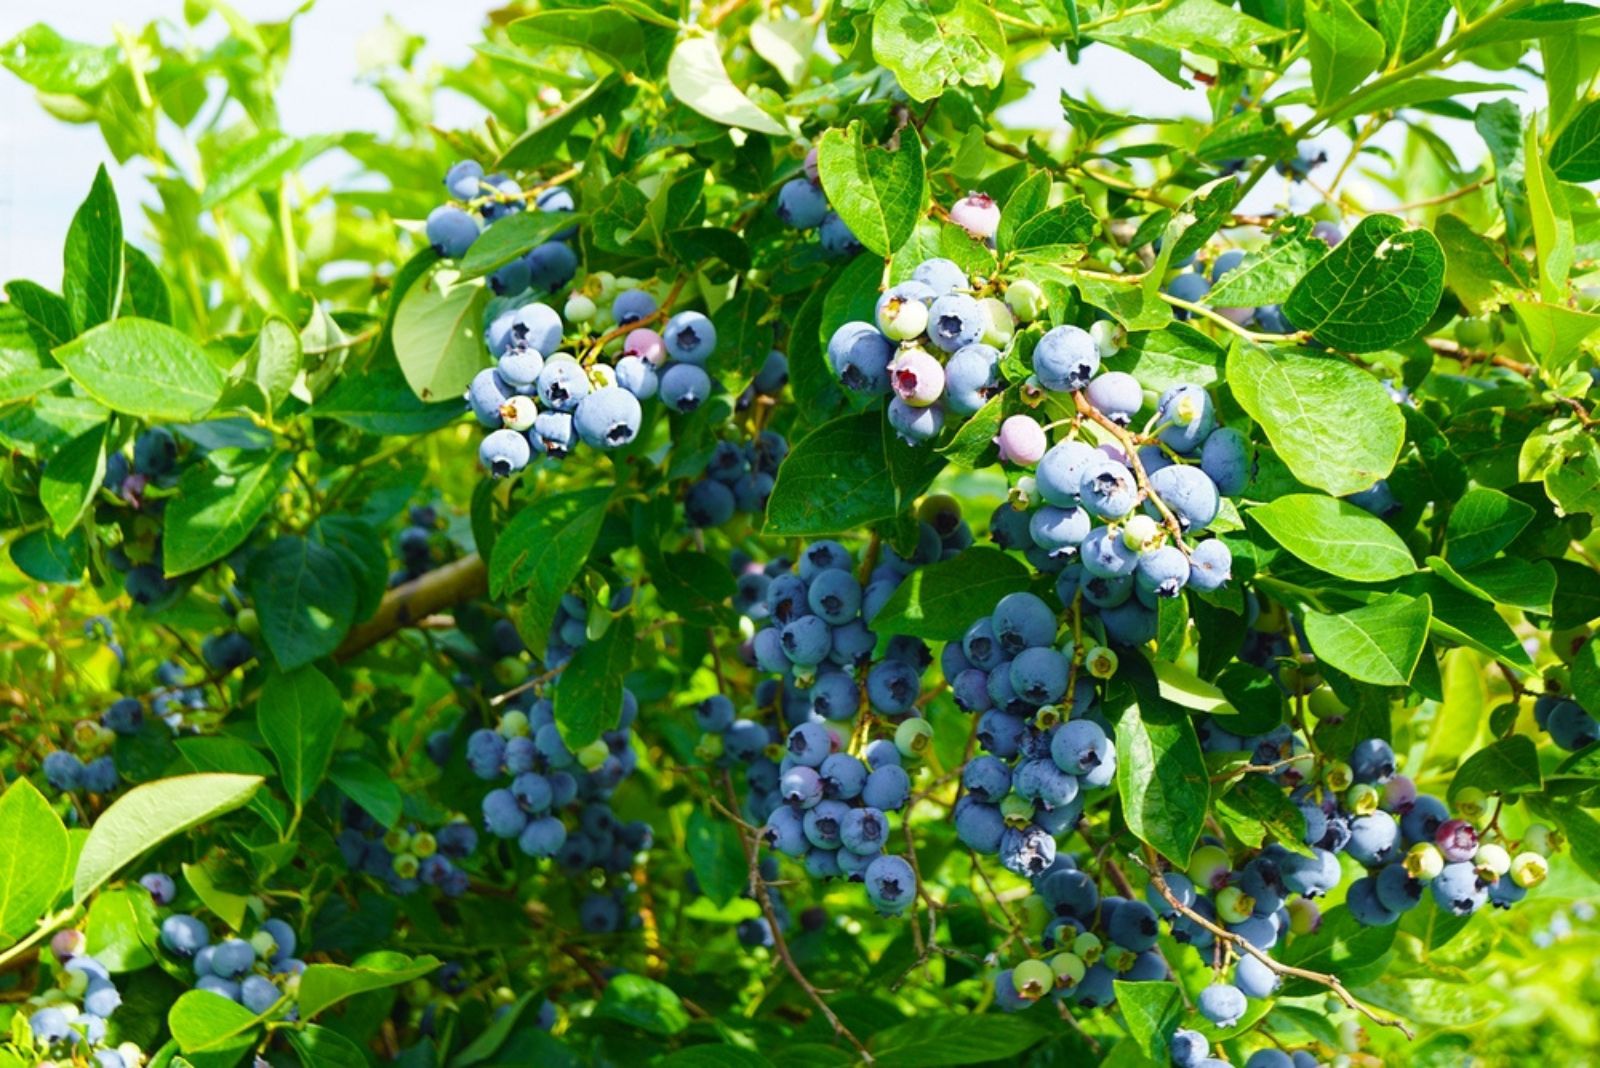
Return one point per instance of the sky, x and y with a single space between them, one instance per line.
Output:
46 165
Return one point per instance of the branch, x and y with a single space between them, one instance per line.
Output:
409 604
1223 935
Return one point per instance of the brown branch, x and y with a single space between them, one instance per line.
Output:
1223 935
411 603
1454 349
752 844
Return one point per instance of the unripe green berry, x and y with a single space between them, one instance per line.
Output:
1088 947
1069 970
405 865
1362 799
424 845
1140 531
578 309
1100 662
1109 337
593 755
513 724
913 736
1529 870
1338 776
1424 862
1016 810
1033 979
1234 905
999 324
1542 840
902 320
1491 860
397 840
1471 803
1208 865
1026 300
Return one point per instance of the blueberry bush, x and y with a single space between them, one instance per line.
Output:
783 543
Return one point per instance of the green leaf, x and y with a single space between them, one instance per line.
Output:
1151 1011
1379 643
543 549
325 985
438 334
877 191
1553 332
1335 536
1467 619
1474 268
1378 288
1577 599
148 815
717 856
643 1003
1340 945
1575 155
326 1049
512 236
214 510
840 477
378 400
33 858
274 361
304 597
229 907
46 556
1482 523
1343 49
92 278
260 161
932 47
1509 766
1201 216
1161 773
1512 581
1203 26
941 601
1411 26
1553 235
144 369
1330 422
1255 806
52 64
122 928
72 477
1586 674
698 78
1269 275
588 694
205 1022
144 288
299 715
786 44
369 786
47 312
932 1040
606 32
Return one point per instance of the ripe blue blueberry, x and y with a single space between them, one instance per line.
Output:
1185 416
888 788
1027 851
1039 675
1021 621
836 239
1225 458
980 826
550 266
1117 395
915 425
891 884
608 418
1107 489
1191 496
1105 554
184 935
1210 565
860 356
1222 1004
562 384
463 179
955 320
542 837
802 204
972 377
451 231
940 275
684 387
690 337
1065 359
1163 571
893 687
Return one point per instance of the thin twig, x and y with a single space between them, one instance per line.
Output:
1239 944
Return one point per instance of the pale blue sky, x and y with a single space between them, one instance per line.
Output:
46 165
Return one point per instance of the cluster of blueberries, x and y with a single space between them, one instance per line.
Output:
546 780
934 346
738 478
407 858
258 972
1569 725
1193 281
802 205
1045 744
1189 1049
154 464
569 630
539 401
452 228
417 553
69 1021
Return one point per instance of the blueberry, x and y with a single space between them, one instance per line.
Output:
1222 1004
451 231
802 204
1163 571
232 958
1225 458
161 887
1187 1048
1366 906
463 179
864 831
891 884
1027 851
785 832
1080 746
1185 416
1065 359
1210 565
502 816
184 935
533 326
684 387
1374 839
888 788
1188 493
1020 621
99 776
550 266
125 716
690 337
893 687
1117 395
1039 675
1372 761
955 320
972 378
1253 978
940 275
835 695
542 837
258 993
836 239
608 418
987 778
860 356
1107 489
843 776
